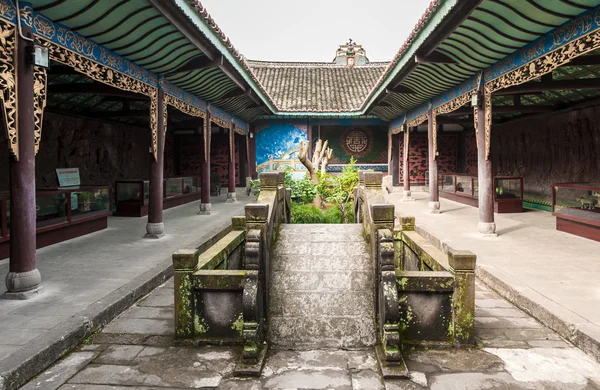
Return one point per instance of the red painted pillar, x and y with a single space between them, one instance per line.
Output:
231 174
205 205
434 198
406 195
486 225
23 279
155 226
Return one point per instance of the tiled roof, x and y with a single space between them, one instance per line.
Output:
316 87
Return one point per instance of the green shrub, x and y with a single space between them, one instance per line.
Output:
339 190
306 213
303 190
333 215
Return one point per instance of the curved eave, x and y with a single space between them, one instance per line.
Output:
216 41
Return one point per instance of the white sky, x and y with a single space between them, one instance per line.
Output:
311 30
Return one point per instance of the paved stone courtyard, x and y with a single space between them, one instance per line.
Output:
137 351
84 277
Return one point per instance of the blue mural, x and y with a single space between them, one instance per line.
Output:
277 146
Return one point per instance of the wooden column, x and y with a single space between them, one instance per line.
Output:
205 205
155 226
23 279
395 161
231 171
434 198
486 223
406 196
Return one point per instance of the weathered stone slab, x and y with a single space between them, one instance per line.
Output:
59 373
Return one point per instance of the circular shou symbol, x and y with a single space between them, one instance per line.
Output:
357 141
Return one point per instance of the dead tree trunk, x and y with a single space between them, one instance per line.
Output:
321 156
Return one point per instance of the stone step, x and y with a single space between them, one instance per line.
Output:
321 291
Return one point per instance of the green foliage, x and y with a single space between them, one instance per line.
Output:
332 215
303 190
339 190
255 187
306 213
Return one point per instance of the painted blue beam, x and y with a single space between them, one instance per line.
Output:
62 36
584 24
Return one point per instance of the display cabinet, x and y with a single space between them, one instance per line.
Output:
132 196
61 214
576 207
464 188
508 194
459 187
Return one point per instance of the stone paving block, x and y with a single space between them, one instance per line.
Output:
240 384
338 249
500 343
549 344
499 312
283 248
117 338
158 341
92 347
18 336
94 387
158 300
162 313
507 322
6 350
531 334
119 354
476 380
59 373
310 379
456 360
493 303
105 374
141 326
402 384
367 380
151 351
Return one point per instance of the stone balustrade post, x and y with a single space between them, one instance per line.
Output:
462 265
185 262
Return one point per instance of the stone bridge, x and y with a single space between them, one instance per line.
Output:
372 284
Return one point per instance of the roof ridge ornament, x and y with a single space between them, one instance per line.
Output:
351 54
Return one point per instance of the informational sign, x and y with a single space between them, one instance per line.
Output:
68 177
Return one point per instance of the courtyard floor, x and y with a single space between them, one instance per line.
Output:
96 274
551 274
137 351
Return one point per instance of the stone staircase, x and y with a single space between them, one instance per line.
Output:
321 293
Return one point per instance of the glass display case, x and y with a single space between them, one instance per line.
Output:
173 187
137 191
132 196
576 207
464 188
508 194
460 187
61 213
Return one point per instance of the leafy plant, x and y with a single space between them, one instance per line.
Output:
339 190
303 190
306 213
255 187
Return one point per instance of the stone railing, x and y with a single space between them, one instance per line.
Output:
221 292
422 295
